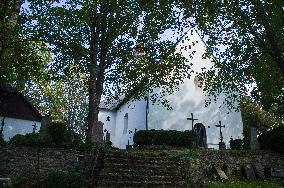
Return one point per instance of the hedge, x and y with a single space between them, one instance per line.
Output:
31 139
236 144
273 139
165 137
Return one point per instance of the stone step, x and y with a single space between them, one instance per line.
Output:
152 171
140 166
145 184
136 156
138 161
137 177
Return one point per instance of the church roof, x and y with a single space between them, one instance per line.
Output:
14 105
112 103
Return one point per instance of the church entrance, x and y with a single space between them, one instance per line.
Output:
200 130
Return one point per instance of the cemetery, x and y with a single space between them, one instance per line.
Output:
140 93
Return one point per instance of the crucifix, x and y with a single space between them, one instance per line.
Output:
220 126
34 127
192 121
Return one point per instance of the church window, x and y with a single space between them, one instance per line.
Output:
125 123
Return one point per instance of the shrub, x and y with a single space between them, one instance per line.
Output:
63 180
236 144
165 137
273 139
31 139
58 133
2 142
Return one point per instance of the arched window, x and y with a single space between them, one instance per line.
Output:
125 123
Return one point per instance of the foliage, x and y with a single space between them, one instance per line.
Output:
21 58
58 133
100 39
31 139
246 40
64 180
245 184
165 137
2 141
236 144
273 139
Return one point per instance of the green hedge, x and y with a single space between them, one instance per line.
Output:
31 139
165 137
273 139
236 144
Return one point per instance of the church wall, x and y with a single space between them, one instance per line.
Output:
14 126
190 99
136 112
108 125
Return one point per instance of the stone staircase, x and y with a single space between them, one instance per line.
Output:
136 170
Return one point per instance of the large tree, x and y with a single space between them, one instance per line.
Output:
21 58
101 37
246 39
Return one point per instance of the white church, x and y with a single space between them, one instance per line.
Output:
123 118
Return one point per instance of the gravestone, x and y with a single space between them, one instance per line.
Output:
5 183
259 171
277 172
220 173
254 144
200 130
249 172
98 133
43 132
222 146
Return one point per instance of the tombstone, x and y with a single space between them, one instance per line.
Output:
249 172
43 133
259 171
277 172
254 144
220 173
200 130
222 146
97 133
5 183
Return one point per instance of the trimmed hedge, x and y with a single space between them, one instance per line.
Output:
273 139
31 139
236 144
165 137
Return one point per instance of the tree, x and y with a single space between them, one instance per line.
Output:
246 39
99 37
21 59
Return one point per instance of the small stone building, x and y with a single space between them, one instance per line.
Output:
17 114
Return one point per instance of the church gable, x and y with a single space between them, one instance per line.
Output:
14 105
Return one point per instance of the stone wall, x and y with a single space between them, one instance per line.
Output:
32 161
197 164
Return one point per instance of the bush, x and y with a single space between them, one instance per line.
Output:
63 180
58 133
273 139
2 142
165 137
236 144
31 139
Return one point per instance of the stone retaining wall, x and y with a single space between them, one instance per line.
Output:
32 161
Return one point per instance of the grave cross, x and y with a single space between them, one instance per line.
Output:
34 127
220 126
192 121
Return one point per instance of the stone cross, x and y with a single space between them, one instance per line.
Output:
192 121
220 126
34 127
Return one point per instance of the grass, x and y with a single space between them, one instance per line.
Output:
245 184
